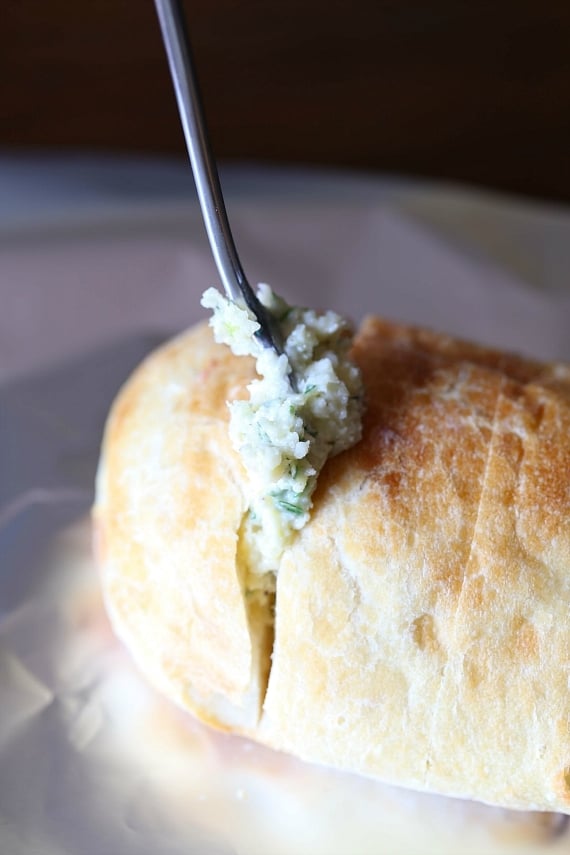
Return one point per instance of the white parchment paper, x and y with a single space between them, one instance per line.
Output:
92 762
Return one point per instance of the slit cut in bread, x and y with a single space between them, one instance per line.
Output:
418 629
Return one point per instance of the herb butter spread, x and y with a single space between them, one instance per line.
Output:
285 436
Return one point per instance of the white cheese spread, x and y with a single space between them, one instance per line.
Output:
284 436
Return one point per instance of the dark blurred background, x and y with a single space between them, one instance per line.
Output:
476 92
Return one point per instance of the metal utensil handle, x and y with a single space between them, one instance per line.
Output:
177 44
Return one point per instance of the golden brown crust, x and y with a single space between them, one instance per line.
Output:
422 616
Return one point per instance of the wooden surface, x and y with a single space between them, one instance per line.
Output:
478 92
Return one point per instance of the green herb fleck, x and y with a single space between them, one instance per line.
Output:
263 435
288 506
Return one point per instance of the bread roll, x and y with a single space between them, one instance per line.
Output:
420 627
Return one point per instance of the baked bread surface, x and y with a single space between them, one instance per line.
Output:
421 619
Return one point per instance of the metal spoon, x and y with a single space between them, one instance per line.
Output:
177 44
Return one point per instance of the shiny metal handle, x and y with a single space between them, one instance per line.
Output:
171 17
